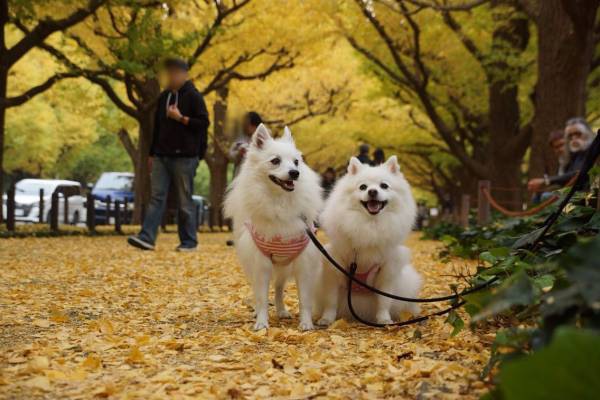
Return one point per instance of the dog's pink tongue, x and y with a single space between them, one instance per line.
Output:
373 206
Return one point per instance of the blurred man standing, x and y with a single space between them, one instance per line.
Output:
179 143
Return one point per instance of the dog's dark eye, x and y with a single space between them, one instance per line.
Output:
296 162
363 187
276 161
384 186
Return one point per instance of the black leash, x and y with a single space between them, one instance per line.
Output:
373 289
397 324
592 154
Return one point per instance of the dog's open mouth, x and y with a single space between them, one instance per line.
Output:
374 207
285 185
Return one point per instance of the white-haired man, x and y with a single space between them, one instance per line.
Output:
578 137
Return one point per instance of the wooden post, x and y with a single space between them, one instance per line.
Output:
54 213
90 213
118 216
108 201
163 221
197 217
66 210
126 211
465 207
10 208
41 207
483 211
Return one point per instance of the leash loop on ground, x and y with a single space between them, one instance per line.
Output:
373 289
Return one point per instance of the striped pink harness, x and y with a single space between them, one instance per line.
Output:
280 250
366 277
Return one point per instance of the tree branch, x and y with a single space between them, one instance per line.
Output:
459 7
34 91
335 98
467 42
45 28
128 144
283 60
3 22
110 92
222 14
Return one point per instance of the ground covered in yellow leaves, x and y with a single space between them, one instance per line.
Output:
85 317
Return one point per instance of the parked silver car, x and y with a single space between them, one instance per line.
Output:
27 200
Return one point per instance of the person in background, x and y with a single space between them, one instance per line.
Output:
363 154
237 152
578 137
556 140
238 149
422 215
378 157
328 181
178 144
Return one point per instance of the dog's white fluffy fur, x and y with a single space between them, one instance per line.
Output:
273 210
368 234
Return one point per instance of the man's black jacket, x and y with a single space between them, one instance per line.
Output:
571 169
174 139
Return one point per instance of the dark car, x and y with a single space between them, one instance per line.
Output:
113 186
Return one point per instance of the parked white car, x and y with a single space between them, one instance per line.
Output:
27 200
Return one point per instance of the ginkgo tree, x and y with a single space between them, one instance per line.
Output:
121 50
44 18
463 71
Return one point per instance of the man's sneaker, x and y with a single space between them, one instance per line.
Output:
139 243
186 249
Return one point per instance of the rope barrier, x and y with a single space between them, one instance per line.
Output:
526 213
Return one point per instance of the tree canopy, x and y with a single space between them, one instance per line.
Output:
454 87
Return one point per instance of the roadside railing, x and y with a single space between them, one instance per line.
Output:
61 211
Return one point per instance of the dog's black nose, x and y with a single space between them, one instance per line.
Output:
373 193
294 174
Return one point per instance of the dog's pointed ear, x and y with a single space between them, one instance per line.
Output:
287 135
354 166
392 164
261 136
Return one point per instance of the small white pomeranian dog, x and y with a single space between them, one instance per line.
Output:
367 218
269 200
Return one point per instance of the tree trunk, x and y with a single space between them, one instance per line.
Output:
3 93
506 147
217 160
566 47
149 93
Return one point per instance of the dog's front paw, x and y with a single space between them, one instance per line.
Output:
260 325
324 321
384 318
306 326
284 314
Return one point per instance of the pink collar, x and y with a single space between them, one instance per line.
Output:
280 250
366 277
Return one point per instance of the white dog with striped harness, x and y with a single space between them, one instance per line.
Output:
367 218
274 190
